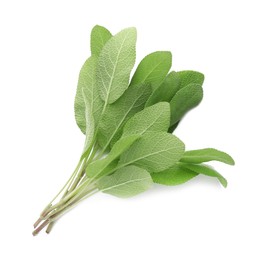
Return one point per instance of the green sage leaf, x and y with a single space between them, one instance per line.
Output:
155 118
99 36
115 63
184 100
187 77
90 123
206 170
153 69
126 182
117 114
207 155
87 81
97 168
174 175
155 151
166 90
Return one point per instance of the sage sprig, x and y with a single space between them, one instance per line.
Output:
128 125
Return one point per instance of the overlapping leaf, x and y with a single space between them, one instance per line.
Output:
99 37
153 69
115 63
87 81
126 182
155 151
155 118
116 115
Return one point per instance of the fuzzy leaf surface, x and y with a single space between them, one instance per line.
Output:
207 155
117 114
155 151
115 63
166 91
187 77
184 100
153 69
90 123
98 38
155 118
87 81
126 182
96 168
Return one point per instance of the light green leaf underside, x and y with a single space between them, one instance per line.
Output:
117 114
126 182
206 155
155 118
184 100
206 170
153 69
90 123
155 151
87 81
174 175
99 37
116 61
97 168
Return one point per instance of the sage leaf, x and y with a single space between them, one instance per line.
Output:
87 81
155 118
96 168
115 63
187 77
99 36
90 123
155 151
184 100
207 155
126 182
153 69
117 114
206 170
174 175
166 91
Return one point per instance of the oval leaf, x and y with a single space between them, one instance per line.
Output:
187 77
153 69
184 100
87 81
99 36
173 176
116 114
166 91
155 118
155 151
126 182
207 155
116 61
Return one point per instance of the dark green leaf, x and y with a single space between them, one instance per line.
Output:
184 100
173 176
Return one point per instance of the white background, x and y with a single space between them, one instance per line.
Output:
42 47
